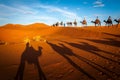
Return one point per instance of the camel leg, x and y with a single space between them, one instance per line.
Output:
20 72
118 24
41 74
106 24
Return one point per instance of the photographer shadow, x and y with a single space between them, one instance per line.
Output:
31 56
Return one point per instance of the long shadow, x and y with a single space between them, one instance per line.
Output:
116 55
109 41
90 48
96 49
112 34
30 55
98 67
65 52
94 65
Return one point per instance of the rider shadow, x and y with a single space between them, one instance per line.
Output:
93 49
115 35
66 53
30 55
108 41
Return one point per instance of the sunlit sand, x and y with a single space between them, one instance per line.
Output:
66 53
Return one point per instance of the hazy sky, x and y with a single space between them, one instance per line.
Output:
51 11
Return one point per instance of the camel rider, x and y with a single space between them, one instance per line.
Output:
84 21
109 18
97 20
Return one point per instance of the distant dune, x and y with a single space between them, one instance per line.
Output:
38 25
19 26
12 26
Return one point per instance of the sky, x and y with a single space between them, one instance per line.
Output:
52 11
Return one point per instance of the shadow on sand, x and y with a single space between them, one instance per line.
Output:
66 52
93 49
112 35
108 41
30 55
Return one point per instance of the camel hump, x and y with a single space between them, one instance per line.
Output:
84 22
97 20
109 19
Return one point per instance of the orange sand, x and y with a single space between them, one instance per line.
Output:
69 53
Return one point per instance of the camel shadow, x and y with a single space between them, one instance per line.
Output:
66 52
112 35
109 41
93 49
30 55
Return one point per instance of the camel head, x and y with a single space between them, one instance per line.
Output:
39 51
104 21
115 20
92 21
40 48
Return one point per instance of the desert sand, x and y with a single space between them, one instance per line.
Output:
67 53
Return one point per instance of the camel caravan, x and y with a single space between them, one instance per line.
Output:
96 22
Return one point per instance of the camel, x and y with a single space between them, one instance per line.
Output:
97 22
69 23
75 22
108 22
118 21
56 24
61 23
84 22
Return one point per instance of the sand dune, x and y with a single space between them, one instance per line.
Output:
68 53
19 26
